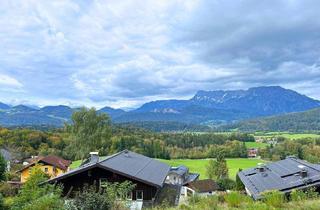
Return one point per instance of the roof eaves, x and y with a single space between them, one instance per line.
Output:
72 172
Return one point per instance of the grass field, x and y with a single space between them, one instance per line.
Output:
199 165
255 145
287 135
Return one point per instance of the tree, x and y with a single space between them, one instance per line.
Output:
211 168
217 169
239 185
89 131
3 167
34 195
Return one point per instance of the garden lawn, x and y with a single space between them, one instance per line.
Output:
199 165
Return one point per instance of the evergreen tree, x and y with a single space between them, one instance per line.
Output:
217 169
3 167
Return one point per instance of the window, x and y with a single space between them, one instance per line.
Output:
129 196
46 170
139 195
103 183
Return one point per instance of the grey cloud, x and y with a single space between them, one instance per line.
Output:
124 53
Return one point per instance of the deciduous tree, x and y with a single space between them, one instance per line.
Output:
89 131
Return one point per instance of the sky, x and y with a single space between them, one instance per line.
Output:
125 53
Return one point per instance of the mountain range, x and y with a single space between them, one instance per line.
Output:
205 108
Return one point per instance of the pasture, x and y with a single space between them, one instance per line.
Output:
256 145
199 165
287 135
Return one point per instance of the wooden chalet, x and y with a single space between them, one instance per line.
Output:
146 173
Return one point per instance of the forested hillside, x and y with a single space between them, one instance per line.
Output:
297 122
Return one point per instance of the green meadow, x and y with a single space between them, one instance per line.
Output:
287 135
256 144
199 165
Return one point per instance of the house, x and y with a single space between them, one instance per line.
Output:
146 173
284 175
7 156
51 165
32 159
180 176
204 187
252 153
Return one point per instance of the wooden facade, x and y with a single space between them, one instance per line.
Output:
95 175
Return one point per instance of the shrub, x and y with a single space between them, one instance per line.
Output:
1 202
226 184
35 196
46 202
274 198
239 184
94 198
298 195
194 199
207 203
311 193
7 190
234 199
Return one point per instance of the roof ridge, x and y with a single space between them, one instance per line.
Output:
310 165
112 156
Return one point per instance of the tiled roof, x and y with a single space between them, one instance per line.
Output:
50 160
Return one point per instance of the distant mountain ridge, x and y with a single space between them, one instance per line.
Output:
205 108
295 122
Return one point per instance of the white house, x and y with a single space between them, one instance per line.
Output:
180 176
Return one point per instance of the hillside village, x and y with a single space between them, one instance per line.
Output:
138 180
159 105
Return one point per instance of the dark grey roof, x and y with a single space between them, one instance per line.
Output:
129 164
191 177
138 166
283 175
180 170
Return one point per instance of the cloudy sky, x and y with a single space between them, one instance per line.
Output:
124 53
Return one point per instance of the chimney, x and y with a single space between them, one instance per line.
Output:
261 167
94 157
303 171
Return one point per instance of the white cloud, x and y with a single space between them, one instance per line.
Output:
8 81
